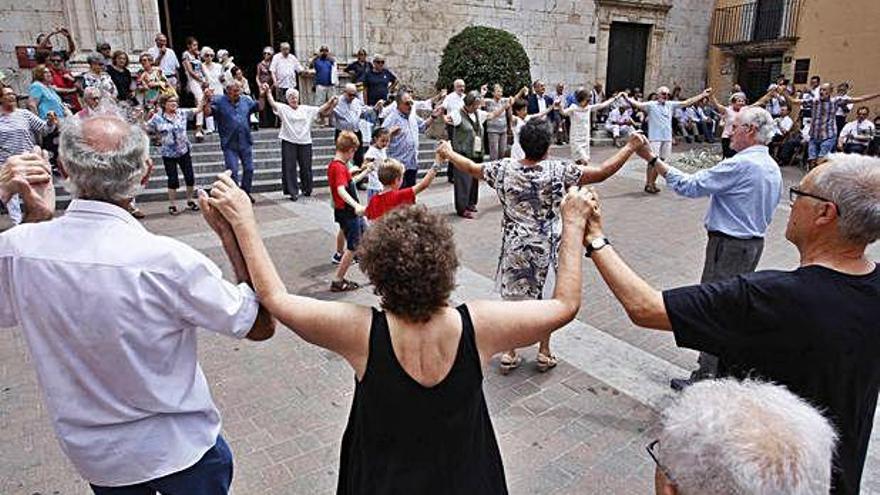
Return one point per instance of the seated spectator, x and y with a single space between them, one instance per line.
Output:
813 329
744 438
620 123
117 362
874 148
857 135
390 174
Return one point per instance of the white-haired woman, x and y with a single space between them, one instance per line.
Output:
192 64
97 77
213 79
728 114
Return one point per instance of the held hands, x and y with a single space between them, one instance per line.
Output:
707 92
231 201
576 207
637 142
29 176
444 150
51 118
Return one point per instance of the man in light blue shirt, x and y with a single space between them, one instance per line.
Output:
743 192
347 117
405 127
659 113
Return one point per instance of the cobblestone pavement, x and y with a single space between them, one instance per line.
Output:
579 429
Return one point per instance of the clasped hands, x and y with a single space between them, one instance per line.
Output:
29 175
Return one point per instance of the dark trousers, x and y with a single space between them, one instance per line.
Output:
450 132
186 166
409 178
466 190
726 150
232 157
212 475
296 158
359 154
726 257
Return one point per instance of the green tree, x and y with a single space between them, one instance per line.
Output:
483 55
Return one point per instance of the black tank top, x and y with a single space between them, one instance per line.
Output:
404 438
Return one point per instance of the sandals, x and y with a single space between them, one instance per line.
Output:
343 286
546 362
509 363
652 189
172 210
192 205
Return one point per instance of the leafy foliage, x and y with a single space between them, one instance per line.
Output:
483 55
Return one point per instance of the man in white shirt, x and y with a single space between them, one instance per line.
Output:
284 68
165 58
619 123
110 313
857 135
452 104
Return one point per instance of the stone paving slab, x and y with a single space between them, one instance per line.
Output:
579 429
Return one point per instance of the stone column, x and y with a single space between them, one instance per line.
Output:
339 24
126 25
602 40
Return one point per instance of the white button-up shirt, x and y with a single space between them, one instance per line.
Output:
169 63
110 313
284 70
453 102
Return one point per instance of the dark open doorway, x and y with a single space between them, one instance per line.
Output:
757 73
627 52
243 27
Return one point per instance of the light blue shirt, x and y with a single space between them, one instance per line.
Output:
404 144
47 100
743 192
660 119
347 114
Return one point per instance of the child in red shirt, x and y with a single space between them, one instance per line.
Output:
346 210
391 176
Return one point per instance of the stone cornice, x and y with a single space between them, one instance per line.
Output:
658 5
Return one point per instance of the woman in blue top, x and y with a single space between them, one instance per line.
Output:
44 101
169 124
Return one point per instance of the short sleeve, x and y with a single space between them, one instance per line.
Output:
490 172
313 112
391 77
710 317
209 301
254 106
571 176
7 315
406 196
215 103
337 175
35 92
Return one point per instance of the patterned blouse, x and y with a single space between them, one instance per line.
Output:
531 225
101 81
172 132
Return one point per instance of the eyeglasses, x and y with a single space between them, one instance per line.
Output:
378 61
651 447
794 192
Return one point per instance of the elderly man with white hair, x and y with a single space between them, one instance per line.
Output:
347 115
296 140
743 191
232 113
110 313
284 68
814 329
659 113
770 441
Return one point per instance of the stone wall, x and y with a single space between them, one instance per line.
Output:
686 45
20 23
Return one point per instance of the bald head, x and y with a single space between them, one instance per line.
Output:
105 157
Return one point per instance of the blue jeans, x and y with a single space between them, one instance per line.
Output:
212 475
818 149
246 156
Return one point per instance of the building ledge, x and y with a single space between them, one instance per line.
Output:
758 47
658 5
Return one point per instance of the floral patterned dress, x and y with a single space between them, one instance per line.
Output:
531 196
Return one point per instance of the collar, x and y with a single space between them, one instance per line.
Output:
755 148
87 207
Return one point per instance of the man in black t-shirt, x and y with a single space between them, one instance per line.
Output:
815 330
377 81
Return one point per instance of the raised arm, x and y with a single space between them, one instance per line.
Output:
764 99
643 304
429 177
504 325
605 104
635 104
859 99
264 89
340 327
592 174
458 161
328 106
694 99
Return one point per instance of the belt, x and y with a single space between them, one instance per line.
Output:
716 233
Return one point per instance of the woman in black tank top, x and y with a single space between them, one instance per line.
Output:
419 422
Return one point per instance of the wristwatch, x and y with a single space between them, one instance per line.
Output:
653 161
596 244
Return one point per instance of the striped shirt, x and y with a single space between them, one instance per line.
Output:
20 131
824 125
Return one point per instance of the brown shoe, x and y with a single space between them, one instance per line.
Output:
466 214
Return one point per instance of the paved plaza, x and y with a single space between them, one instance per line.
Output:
579 429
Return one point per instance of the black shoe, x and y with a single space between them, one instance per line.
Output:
679 384
293 198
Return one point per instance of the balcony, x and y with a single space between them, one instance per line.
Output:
755 22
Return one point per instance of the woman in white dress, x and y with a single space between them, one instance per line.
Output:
214 78
520 117
579 114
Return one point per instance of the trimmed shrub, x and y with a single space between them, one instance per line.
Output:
483 55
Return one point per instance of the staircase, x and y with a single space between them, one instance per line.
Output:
208 162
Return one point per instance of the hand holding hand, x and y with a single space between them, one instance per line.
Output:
360 210
213 216
707 92
232 202
443 150
575 207
51 118
637 141
208 94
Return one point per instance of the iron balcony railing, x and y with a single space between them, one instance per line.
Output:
755 21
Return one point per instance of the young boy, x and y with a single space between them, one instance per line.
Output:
346 210
390 174
375 156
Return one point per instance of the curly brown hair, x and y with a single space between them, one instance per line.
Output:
409 256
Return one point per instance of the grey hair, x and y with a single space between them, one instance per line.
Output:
105 175
95 58
206 50
738 94
232 82
92 91
349 87
749 437
471 97
663 89
761 121
852 182
283 45
291 92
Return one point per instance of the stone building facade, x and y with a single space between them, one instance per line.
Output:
566 40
